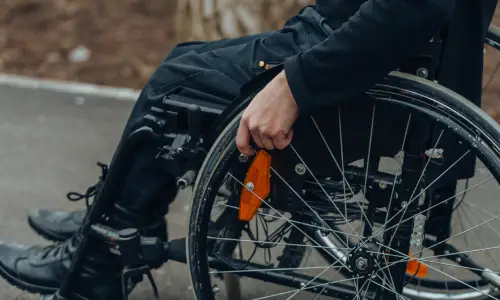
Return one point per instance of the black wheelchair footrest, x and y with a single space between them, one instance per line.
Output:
176 250
132 247
136 252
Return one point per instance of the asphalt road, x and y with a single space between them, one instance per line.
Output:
49 144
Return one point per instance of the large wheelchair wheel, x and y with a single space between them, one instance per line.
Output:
392 196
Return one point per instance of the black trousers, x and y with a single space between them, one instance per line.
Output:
211 70
215 71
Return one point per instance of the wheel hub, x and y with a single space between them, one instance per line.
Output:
363 261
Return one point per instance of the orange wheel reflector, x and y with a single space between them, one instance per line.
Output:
414 267
257 186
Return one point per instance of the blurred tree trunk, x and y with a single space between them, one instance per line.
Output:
216 19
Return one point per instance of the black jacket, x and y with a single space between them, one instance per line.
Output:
374 37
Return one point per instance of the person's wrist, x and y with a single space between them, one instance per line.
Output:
281 77
283 83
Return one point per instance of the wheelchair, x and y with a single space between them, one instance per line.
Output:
368 194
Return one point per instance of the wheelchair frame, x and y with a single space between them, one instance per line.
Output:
182 150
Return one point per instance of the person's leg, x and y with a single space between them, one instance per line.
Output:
142 202
149 188
205 46
59 225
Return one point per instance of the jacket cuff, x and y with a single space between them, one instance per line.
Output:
297 83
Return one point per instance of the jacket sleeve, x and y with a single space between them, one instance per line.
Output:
363 50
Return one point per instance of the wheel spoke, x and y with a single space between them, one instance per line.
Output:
385 277
269 270
464 283
292 221
423 190
356 287
458 234
408 258
423 211
302 289
478 208
341 169
391 290
303 201
462 226
386 254
323 189
361 289
461 252
395 177
324 287
431 207
385 280
281 215
309 282
426 261
491 227
467 217
444 279
267 243
414 190
344 180
358 292
367 166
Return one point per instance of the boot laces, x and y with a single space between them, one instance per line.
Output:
58 249
93 190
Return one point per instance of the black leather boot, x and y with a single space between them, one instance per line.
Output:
58 225
135 194
41 269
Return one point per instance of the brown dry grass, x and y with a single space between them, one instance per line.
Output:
127 40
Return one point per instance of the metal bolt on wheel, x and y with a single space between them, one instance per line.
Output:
300 169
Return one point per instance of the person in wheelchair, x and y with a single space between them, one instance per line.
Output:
338 48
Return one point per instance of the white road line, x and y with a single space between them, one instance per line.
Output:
74 88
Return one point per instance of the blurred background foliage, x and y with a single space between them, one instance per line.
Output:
121 42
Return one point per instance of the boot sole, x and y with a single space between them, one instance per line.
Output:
25 286
37 289
45 234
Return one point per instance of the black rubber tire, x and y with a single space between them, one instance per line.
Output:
422 94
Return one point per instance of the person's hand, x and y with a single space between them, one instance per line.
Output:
269 117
